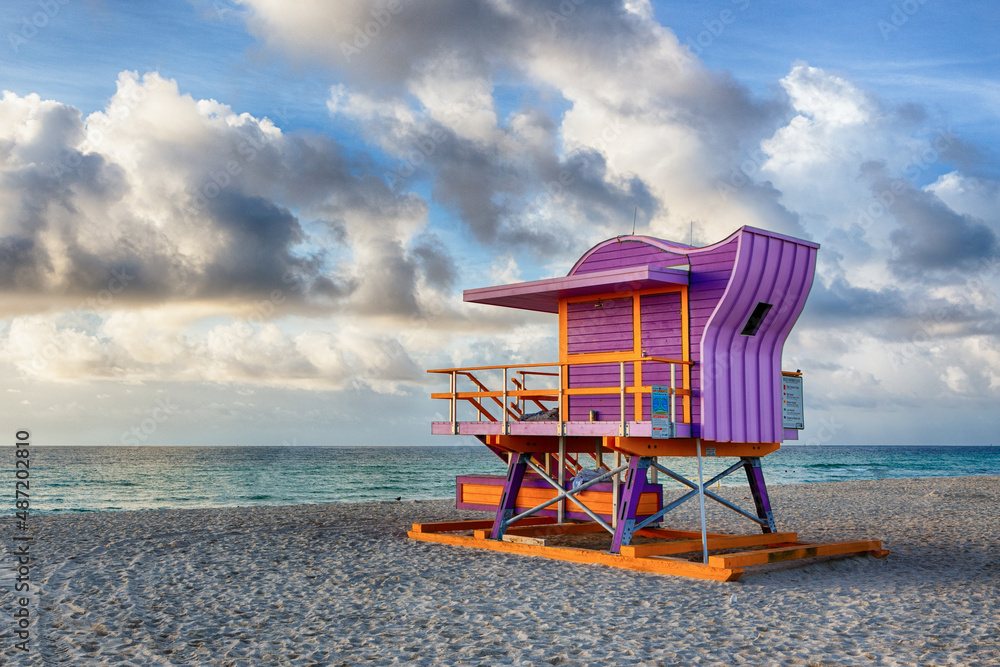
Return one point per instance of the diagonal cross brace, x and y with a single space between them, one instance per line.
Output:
571 494
691 494
629 501
709 494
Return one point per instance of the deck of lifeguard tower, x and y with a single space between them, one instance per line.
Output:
665 351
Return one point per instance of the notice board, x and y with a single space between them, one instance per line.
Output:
791 402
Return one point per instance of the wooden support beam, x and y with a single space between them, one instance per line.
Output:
552 529
448 526
644 446
687 546
670 534
521 539
777 555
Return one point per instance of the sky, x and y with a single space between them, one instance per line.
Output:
250 222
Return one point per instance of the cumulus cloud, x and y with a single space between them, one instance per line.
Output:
136 240
933 237
161 197
617 119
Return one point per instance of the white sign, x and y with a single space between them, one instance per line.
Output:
791 402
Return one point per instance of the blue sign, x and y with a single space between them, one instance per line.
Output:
663 426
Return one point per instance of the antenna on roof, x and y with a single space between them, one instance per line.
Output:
634 214
691 238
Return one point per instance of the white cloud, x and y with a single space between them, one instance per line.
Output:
968 195
955 379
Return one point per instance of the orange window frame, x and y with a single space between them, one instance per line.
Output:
565 358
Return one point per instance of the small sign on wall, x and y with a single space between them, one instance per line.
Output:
791 402
663 426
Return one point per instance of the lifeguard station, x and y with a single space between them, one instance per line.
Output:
665 350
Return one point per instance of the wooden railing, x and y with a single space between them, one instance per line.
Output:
516 389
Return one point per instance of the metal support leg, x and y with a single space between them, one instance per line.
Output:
755 477
515 473
628 502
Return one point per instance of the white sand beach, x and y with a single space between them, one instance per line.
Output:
342 585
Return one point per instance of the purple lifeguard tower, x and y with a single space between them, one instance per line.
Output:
665 350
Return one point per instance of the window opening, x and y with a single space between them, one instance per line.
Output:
756 317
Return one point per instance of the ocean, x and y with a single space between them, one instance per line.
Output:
89 479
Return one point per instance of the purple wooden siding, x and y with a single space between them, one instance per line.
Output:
710 273
661 337
589 330
741 396
600 375
605 329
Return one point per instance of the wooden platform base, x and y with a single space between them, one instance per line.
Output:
658 550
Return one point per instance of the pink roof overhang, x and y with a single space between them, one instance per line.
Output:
543 295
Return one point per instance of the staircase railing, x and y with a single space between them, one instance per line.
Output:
516 389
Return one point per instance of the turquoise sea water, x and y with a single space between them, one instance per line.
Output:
75 479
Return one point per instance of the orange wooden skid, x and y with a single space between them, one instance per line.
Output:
690 545
445 526
671 534
647 557
780 554
654 565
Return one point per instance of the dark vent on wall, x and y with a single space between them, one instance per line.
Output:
756 317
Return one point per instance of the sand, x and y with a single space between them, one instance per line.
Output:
342 585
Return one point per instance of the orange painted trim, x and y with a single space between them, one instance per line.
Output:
649 388
601 357
444 526
592 391
633 356
545 394
686 447
563 331
670 566
686 352
584 444
637 349
610 296
542 443
597 391
637 389
563 355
